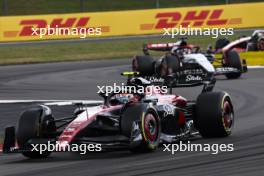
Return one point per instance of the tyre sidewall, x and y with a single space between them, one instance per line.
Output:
137 113
209 114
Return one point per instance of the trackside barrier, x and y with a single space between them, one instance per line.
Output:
134 22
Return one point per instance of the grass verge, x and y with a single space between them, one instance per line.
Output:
59 52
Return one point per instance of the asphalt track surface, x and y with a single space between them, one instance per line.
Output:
78 80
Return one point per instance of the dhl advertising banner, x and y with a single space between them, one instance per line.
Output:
134 22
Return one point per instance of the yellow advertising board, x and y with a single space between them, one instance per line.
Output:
134 22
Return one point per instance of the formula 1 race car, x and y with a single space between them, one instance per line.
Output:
255 42
137 121
181 56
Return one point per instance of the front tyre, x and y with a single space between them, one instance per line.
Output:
36 122
144 119
214 114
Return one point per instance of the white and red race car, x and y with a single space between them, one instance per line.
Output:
182 57
138 121
255 42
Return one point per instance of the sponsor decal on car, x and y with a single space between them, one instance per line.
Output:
155 79
168 109
193 78
192 71
226 70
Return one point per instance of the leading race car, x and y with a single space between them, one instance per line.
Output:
137 121
183 56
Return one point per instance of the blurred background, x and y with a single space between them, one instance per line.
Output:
24 51
29 7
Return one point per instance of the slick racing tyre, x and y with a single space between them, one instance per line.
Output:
35 123
260 45
221 43
141 120
144 65
214 114
234 61
169 65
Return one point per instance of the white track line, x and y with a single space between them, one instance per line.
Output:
67 102
50 101
255 66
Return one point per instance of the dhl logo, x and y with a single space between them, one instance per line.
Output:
193 18
27 25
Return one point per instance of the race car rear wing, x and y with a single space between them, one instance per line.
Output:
165 47
159 46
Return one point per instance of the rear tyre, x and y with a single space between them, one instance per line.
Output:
169 65
218 120
221 43
233 60
34 123
148 123
144 65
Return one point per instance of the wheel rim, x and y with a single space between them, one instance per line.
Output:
150 127
164 69
134 65
228 116
261 45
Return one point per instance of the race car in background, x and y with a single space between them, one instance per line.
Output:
188 60
255 42
135 121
